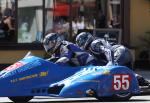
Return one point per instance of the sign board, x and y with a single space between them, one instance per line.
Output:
112 35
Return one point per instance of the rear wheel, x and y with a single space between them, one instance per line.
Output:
105 99
22 99
116 97
122 97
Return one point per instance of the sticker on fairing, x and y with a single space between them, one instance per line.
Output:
14 66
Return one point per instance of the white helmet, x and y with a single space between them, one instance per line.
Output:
51 42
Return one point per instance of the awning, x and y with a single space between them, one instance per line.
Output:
61 9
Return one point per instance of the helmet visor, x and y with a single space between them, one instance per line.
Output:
49 47
80 42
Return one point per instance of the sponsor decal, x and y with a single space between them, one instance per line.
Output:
14 66
38 75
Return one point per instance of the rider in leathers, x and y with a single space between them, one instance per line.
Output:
66 52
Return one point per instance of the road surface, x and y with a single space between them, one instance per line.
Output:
38 99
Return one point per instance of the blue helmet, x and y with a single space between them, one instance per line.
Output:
51 42
97 46
84 39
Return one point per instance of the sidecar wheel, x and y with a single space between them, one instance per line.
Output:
21 99
116 97
122 96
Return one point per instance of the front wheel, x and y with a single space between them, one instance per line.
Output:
22 99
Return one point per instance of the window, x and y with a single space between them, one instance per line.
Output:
83 14
108 13
71 18
116 16
101 18
7 20
49 15
30 21
56 18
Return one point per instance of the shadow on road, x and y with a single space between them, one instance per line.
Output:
60 100
83 101
87 101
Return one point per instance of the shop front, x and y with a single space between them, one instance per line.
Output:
26 22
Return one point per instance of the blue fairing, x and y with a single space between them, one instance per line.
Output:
33 73
33 76
99 79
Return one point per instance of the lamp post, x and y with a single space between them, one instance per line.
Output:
70 20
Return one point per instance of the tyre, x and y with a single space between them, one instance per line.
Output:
122 97
116 97
24 99
105 99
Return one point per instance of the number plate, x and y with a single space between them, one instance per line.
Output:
121 82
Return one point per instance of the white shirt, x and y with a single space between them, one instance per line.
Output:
80 25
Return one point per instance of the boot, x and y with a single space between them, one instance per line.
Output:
142 81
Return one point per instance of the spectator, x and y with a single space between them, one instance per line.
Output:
74 27
65 26
80 23
88 24
7 18
7 24
101 20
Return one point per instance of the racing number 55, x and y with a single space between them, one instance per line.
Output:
121 82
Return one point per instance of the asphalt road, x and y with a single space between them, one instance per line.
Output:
135 99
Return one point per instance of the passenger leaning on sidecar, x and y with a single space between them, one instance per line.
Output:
66 52
105 52
100 48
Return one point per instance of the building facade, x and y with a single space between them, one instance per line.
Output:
31 20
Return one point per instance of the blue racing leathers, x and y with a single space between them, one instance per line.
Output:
71 53
115 54
101 49
122 55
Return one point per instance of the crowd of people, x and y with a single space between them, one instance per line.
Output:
88 51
